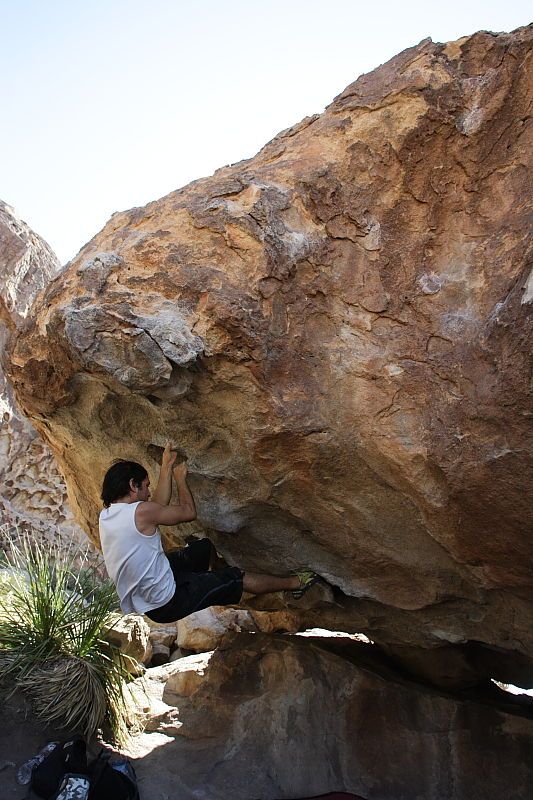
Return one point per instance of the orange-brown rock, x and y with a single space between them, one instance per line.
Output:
277 717
335 332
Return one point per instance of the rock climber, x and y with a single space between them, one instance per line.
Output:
169 586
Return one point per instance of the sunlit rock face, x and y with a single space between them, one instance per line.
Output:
27 266
335 333
32 491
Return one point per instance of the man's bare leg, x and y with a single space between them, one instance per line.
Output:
262 584
257 583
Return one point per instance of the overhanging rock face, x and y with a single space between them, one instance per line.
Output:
335 333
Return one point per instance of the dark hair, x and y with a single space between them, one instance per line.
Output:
117 480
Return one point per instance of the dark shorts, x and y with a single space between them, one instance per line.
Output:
196 588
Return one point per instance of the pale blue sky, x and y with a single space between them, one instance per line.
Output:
110 104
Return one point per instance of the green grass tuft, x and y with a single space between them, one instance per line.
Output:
51 640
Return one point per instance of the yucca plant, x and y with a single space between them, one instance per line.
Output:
51 640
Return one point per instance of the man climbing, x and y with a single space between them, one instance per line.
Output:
169 586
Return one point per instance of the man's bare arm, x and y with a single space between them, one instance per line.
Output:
149 515
163 490
185 495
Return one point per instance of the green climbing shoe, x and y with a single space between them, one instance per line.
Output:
307 579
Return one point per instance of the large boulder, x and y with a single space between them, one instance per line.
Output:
277 717
335 333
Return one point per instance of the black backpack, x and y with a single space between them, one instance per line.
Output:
65 775
114 779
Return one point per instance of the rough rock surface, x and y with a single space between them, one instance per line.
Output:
266 692
204 630
335 332
131 634
28 266
32 490
279 717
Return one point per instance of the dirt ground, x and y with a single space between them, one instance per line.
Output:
20 738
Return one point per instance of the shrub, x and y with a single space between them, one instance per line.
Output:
51 643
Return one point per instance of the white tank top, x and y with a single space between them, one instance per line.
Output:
136 563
